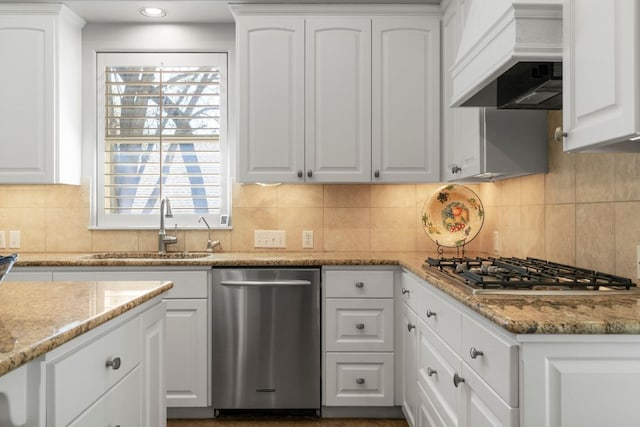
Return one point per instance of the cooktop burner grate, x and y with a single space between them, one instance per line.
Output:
526 274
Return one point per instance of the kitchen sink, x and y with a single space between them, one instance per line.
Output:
148 255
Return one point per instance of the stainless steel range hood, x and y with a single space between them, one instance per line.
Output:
510 55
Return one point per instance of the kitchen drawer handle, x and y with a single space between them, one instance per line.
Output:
431 372
299 173
410 327
359 285
376 174
309 173
558 135
457 379
115 363
405 291
359 325
456 169
430 313
475 353
360 381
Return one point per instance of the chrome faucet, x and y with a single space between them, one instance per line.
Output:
163 239
211 244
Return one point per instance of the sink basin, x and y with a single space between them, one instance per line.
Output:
148 255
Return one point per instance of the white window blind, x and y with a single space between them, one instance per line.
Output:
163 121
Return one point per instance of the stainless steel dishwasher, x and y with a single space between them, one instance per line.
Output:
266 339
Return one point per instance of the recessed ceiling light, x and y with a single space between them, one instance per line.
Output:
153 12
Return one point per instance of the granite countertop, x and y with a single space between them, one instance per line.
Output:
519 314
36 317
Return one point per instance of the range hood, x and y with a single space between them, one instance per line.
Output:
510 55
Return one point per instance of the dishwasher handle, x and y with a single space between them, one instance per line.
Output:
265 283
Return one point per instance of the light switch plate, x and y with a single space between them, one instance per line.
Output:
3 240
269 239
14 239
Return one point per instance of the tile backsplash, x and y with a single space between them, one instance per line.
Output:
584 211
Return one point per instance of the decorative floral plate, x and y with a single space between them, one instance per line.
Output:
452 216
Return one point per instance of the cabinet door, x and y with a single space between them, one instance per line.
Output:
409 366
461 126
186 353
600 73
154 409
271 99
26 85
405 99
338 99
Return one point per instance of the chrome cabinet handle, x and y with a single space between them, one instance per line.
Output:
430 313
559 134
114 363
456 169
360 381
376 174
475 353
359 325
457 379
359 285
309 173
410 327
431 372
405 291
299 173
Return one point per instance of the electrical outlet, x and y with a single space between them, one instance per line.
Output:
307 239
496 242
3 240
14 239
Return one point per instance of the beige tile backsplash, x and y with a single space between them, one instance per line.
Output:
584 211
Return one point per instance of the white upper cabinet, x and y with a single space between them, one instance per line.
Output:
601 75
334 93
405 99
338 99
40 109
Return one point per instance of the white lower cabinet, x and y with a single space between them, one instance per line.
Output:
358 342
187 346
109 375
459 370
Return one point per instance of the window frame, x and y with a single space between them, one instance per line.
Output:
100 218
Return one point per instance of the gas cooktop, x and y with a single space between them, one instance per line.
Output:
528 276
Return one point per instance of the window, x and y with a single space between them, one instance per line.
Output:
161 127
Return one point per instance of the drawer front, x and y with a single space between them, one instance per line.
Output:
359 379
441 316
120 406
358 284
498 362
359 324
77 380
186 284
437 364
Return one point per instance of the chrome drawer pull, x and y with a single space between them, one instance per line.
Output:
431 372
475 353
457 379
359 285
410 327
430 313
360 381
405 291
359 325
115 363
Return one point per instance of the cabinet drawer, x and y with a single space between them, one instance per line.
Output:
77 380
359 379
498 362
120 406
437 364
358 284
441 316
408 289
359 324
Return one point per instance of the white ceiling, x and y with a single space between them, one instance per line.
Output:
179 11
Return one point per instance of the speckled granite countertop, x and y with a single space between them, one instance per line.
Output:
520 314
36 317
